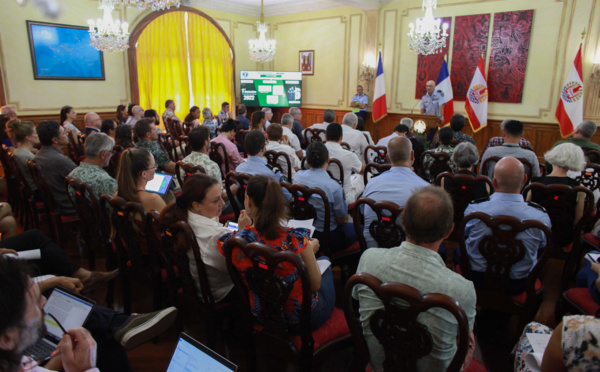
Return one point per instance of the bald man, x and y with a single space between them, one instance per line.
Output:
93 123
509 177
395 185
431 102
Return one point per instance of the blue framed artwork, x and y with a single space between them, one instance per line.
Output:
63 52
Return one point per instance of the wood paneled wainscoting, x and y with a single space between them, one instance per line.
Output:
541 135
36 119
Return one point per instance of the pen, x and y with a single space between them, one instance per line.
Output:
55 353
591 258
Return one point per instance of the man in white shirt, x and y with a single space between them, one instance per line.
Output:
328 118
353 184
268 115
408 122
170 111
138 113
275 135
287 120
354 138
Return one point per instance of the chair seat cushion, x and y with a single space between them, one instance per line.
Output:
333 329
522 297
581 298
476 366
568 248
65 218
351 249
591 239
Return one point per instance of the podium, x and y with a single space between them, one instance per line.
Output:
385 126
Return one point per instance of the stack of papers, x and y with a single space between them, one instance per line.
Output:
34 254
539 342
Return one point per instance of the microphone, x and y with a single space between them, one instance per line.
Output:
411 110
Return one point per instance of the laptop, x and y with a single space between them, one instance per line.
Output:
70 309
190 355
159 184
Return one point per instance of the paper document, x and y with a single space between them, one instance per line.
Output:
34 254
302 224
592 257
323 265
538 342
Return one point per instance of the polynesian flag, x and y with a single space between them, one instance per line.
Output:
476 103
444 88
570 106
379 103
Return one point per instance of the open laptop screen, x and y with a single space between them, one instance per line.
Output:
159 184
190 355
69 308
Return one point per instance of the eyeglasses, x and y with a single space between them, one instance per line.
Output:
155 167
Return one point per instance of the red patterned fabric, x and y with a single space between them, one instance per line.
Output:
333 329
521 298
591 239
428 67
582 298
470 42
508 55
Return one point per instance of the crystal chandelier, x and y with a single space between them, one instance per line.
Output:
106 34
425 38
261 49
153 4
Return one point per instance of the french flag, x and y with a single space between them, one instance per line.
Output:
379 103
444 88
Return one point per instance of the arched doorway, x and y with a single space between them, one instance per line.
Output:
180 54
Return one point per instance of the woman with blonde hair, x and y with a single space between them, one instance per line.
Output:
136 169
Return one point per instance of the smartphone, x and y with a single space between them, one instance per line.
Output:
232 226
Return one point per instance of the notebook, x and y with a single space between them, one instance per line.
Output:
70 309
190 355
159 184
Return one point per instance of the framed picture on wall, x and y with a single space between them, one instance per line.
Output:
63 52
307 62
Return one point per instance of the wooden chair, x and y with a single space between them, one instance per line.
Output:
566 237
165 140
241 180
277 160
385 229
346 146
59 225
184 147
376 154
113 164
177 241
495 159
441 163
404 339
590 176
337 171
218 154
314 135
595 153
103 216
580 301
240 136
183 170
462 194
374 170
502 250
418 148
13 187
74 148
293 343
29 208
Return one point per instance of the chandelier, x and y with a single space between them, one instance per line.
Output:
106 34
426 38
261 49
153 4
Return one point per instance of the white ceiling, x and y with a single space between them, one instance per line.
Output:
281 7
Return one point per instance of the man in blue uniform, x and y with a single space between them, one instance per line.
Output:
431 101
360 101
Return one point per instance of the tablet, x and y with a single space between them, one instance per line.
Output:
159 184
191 355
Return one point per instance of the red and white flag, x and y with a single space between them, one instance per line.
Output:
379 103
476 103
570 106
444 87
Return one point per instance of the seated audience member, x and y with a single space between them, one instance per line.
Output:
225 113
512 134
124 137
153 114
9 111
564 157
297 126
193 116
427 219
8 224
264 221
121 114
210 122
457 123
341 233
22 325
328 118
399 130
573 345
509 177
582 138
360 125
268 116
353 184
93 123
354 138
465 156
275 134
445 135
145 130
395 185
98 151
225 137
55 165
169 112
137 114
258 121
136 169
199 139
67 119
5 135
287 120
200 205
498 141
130 111
109 127
242 112
26 137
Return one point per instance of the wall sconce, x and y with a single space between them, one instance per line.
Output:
367 70
595 77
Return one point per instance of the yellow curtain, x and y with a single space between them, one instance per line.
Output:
162 64
211 64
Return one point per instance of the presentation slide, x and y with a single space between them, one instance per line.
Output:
271 88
